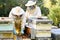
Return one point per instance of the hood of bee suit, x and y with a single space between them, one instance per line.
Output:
30 3
17 10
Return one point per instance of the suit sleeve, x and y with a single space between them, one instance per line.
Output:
38 12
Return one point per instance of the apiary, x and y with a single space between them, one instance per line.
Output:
6 28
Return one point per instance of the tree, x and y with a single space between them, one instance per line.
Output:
7 5
54 15
53 2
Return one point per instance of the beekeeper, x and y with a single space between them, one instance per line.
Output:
18 11
32 11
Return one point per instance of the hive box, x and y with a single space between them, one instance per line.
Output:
43 24
40 24
43 38
41 27
43 34
56 34
6 28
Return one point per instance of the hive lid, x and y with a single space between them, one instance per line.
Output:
56 31
5 19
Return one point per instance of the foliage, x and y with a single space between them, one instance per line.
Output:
53 2
7 5
55 15
44 10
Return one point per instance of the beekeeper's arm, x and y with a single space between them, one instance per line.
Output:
38 12
23 22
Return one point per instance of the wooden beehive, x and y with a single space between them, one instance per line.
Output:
41 26
43 34
6 28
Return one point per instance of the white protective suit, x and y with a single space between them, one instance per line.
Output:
33 13
18 11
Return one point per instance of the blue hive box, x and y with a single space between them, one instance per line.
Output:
6 28
55 34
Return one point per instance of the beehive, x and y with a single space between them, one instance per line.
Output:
56 34
43 34
6 28
43 38
41 26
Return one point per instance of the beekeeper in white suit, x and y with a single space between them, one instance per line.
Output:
18 11
32 11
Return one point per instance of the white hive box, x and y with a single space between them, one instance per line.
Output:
6 28
5 19
43 34
43 24
40 23
6 39
43 38
56 34
43 28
